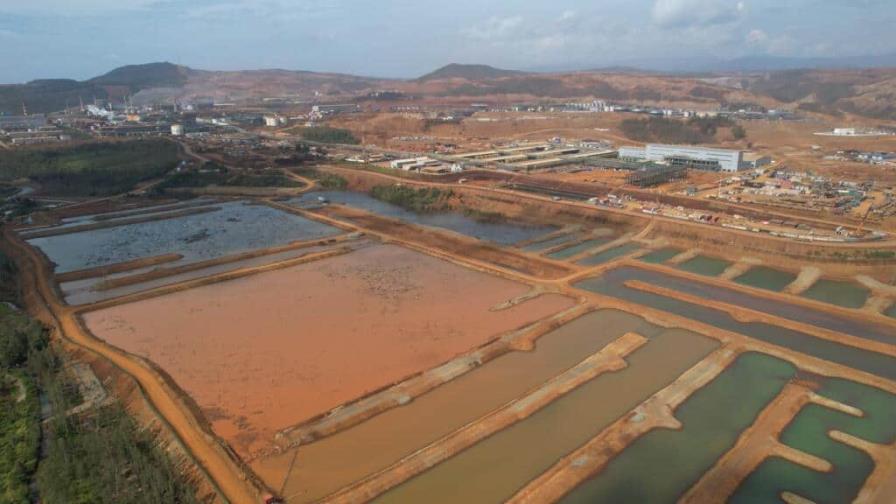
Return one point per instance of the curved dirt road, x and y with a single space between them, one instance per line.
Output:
37 280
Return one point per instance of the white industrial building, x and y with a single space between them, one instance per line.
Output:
701 158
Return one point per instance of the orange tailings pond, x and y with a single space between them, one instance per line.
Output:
268 351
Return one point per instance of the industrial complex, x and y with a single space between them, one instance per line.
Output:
457 289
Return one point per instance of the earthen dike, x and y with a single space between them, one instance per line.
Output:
237 482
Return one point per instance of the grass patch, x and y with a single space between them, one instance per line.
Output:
90 169
484 216
421 200
324 179
328 135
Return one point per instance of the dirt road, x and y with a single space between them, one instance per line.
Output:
206 450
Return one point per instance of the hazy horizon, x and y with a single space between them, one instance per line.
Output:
402 39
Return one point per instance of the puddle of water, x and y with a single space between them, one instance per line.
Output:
612 284
664 463
767 278
494 469
237 227
891 311
660 256
504 233
609 255
582 247
841 293
702 265
320 468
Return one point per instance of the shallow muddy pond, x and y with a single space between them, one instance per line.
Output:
661 465
660 256
504 233
612 284
703 265
494 469
236 227
279 347
320 467
841 293
580 248
767 278
609 255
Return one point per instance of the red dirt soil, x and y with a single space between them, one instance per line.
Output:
264 352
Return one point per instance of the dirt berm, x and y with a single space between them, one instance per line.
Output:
451 243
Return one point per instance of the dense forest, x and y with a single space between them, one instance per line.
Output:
696 130
99 456
90 169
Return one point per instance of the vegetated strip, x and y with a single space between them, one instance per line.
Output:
83 274
44 233
155 209
350 414
200 282
610 358
114 283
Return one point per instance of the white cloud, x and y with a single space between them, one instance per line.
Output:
756 37
495 29
687 13
760 40
71 7
280 10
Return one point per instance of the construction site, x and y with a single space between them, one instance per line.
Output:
326 346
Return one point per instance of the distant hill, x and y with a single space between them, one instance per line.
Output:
469 72
47 95
150 75
53 95
868 91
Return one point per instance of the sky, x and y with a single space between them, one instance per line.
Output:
406 38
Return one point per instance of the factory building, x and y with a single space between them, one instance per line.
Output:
22 123
700 158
